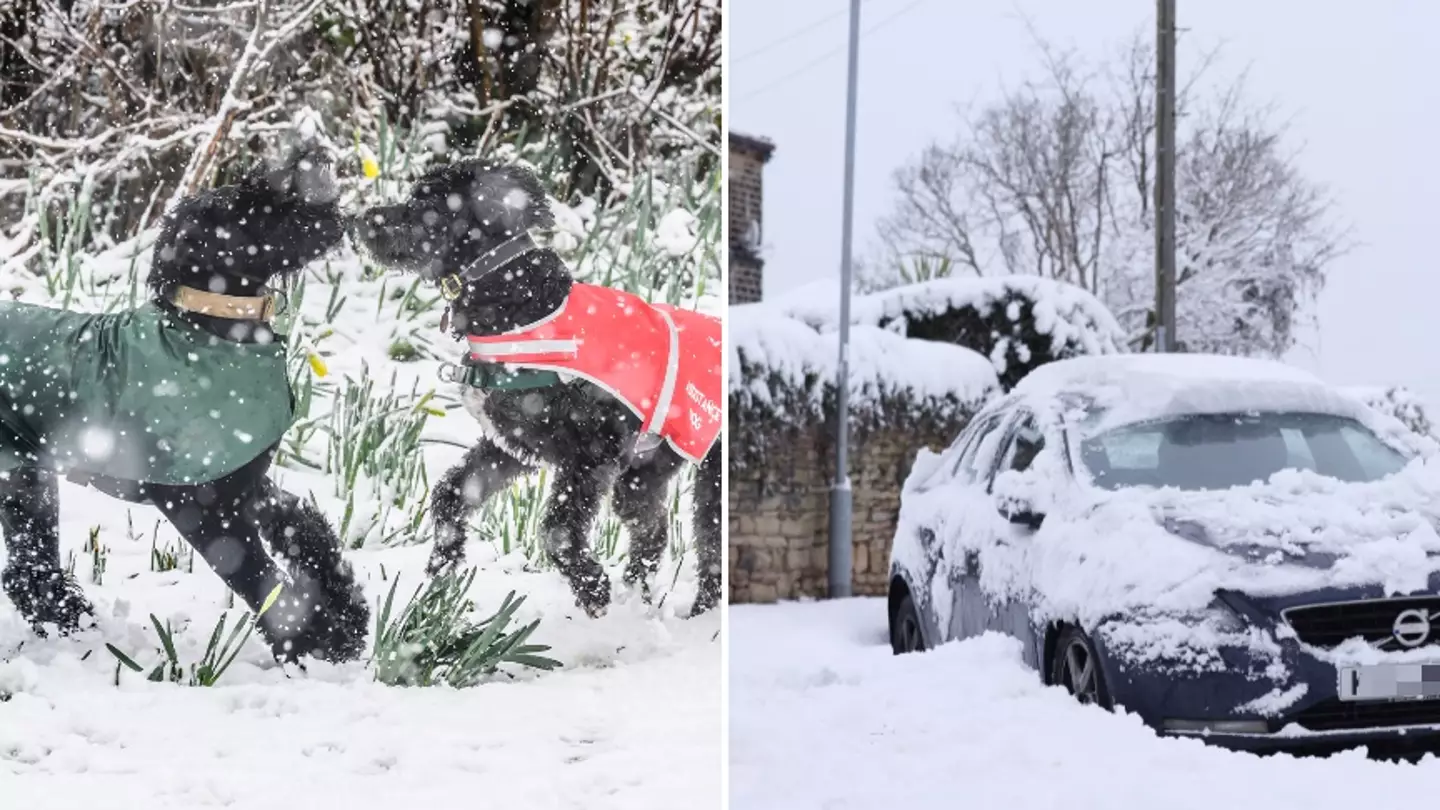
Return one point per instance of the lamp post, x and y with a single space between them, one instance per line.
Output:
842 562
1165 176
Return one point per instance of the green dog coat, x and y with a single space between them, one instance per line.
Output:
138 395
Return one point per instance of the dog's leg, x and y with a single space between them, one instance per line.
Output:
33 578
565 530
224 521
323 579
485 470
639 501
709 536
210 518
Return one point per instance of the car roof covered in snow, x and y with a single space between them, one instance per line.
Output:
1130 388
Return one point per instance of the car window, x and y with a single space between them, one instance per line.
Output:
978 453
949 461
1297 449
1369 452
1026 442
1218 451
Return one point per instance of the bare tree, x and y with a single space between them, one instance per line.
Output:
1056 179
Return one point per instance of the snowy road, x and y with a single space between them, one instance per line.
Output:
633 722
823 716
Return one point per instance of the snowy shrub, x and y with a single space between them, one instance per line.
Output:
1018 322
1398 402
783 373
176 97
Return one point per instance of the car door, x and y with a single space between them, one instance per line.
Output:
968 526
1005 607
921 556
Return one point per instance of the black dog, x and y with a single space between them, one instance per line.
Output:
465 226
180 403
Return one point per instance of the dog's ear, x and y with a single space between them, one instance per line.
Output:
508 200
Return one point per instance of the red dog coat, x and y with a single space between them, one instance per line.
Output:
663 362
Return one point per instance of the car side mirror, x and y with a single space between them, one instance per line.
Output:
1020 513
1015 499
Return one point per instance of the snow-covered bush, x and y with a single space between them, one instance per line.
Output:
1018 322
783 381
177 97
1399 402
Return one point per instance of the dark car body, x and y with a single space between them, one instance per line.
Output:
1223 704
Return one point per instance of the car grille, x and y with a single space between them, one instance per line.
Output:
1336 715
1327 625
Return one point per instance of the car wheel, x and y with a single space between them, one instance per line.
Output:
1077 668
905 635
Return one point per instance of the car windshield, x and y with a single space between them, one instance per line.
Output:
1218 451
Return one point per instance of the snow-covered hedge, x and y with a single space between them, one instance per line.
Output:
1399 402
783 371
1018 322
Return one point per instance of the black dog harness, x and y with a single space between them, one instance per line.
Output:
477 374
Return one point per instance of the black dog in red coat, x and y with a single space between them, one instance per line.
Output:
612 394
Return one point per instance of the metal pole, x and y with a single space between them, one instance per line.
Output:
842 564
1165 177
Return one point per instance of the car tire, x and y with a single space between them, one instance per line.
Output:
1076 667
905 633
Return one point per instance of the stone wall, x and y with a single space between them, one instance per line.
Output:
779 511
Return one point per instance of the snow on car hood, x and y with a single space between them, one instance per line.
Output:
1166 552
1377 533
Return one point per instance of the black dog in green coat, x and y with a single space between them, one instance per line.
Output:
180 403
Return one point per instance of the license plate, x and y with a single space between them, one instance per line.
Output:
1390 682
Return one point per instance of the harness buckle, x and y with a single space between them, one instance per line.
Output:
451 286
449 373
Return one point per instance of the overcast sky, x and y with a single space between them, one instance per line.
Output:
1358 82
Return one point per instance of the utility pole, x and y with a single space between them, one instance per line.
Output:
1165 177
842 564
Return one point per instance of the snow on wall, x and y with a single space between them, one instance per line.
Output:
1018 322
767 347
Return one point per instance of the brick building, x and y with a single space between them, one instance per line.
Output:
748 157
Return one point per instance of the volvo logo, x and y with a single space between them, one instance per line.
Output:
1412 627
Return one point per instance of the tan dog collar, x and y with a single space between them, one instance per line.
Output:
235 307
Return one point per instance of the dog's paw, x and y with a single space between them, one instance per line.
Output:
639 582
445 562
48 599
705 601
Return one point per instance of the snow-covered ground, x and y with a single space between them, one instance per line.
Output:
823 716
633 720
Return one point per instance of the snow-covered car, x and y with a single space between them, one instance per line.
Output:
1228 548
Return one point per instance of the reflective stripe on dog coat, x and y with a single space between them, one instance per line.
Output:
662 362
